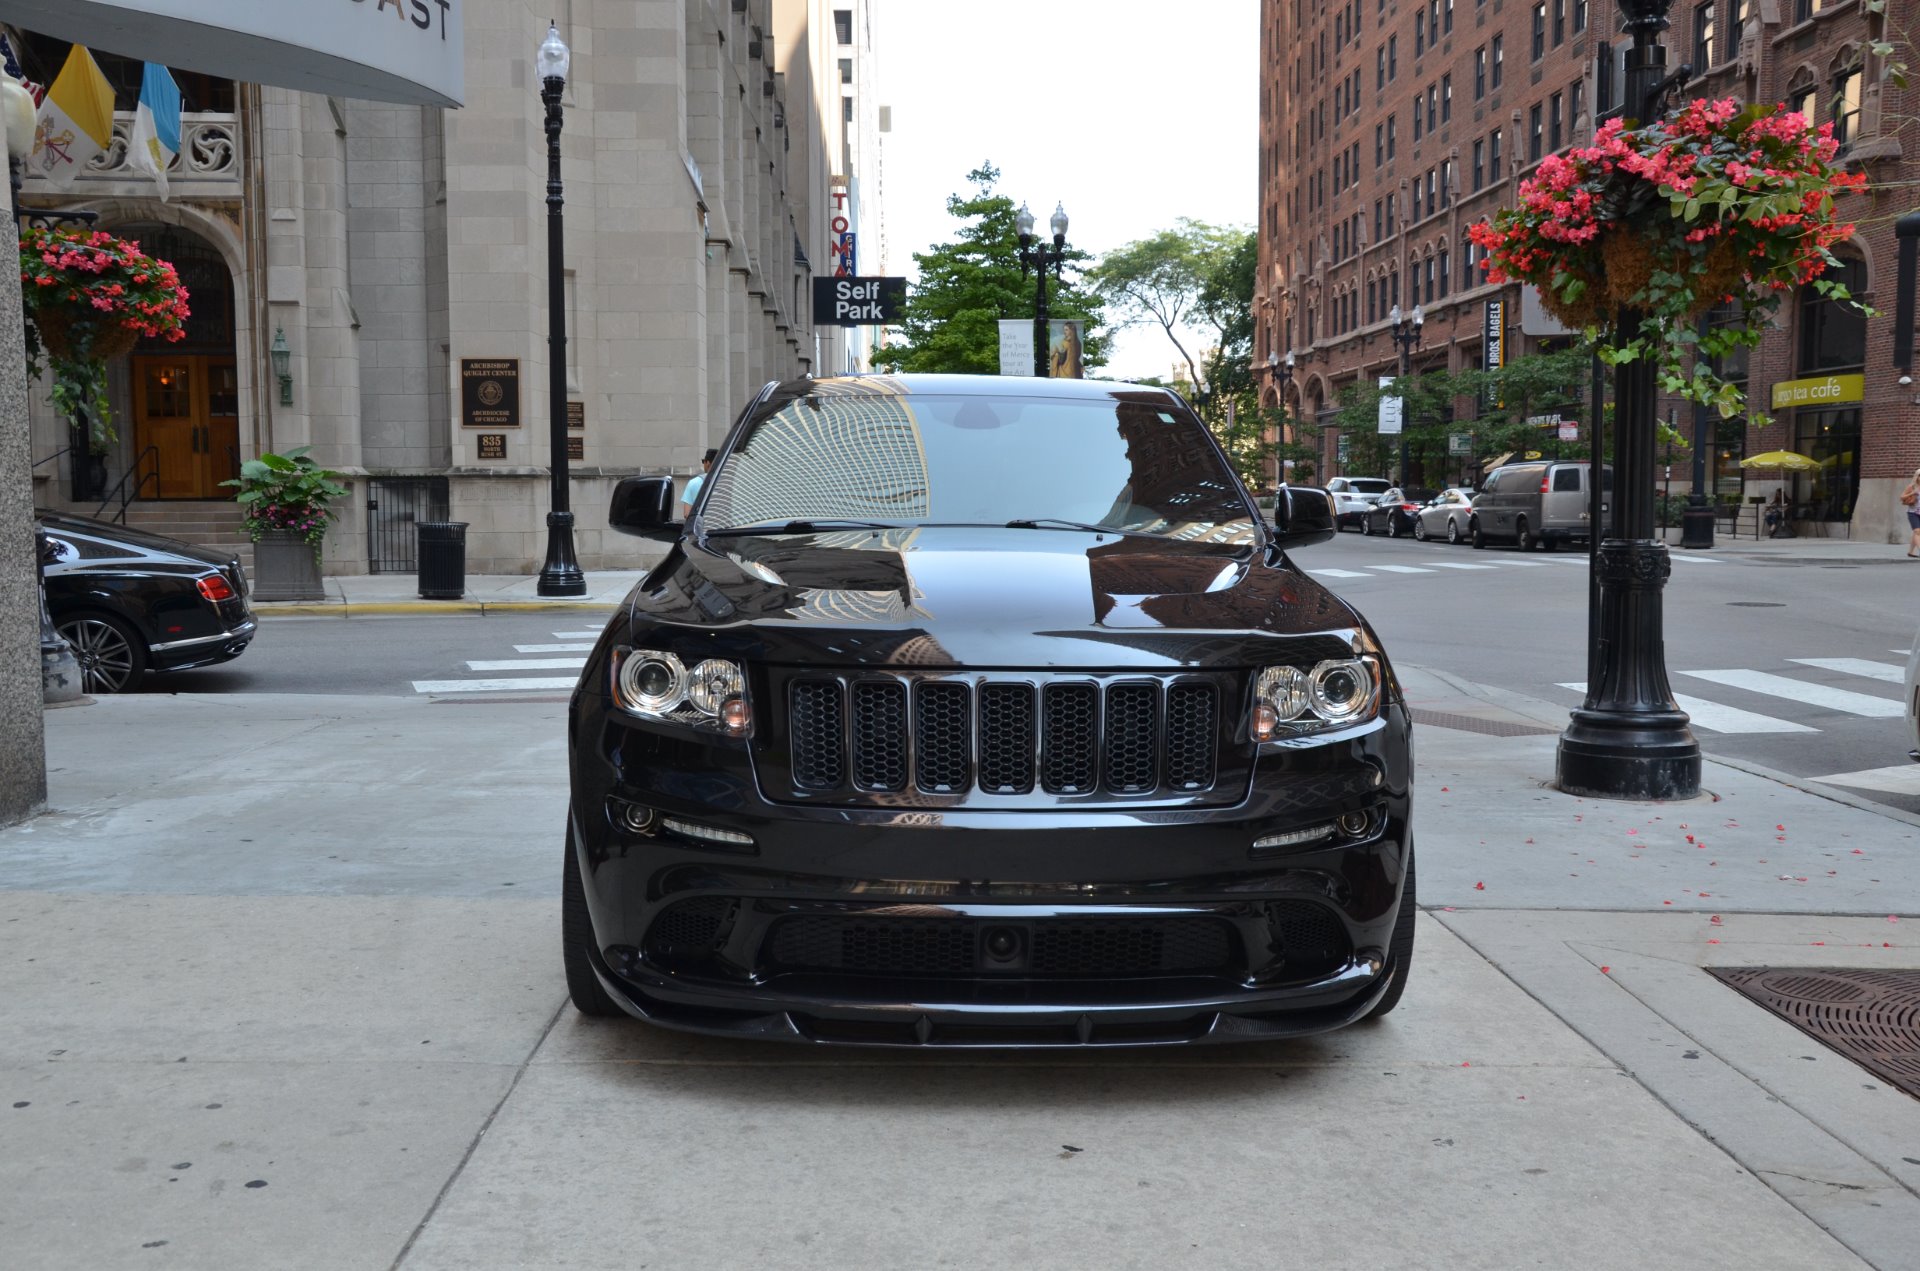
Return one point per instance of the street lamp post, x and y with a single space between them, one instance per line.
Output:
1629 739
1696 523
1280 372
560 575
1039 258
1406 334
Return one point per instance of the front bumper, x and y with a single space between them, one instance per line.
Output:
878 926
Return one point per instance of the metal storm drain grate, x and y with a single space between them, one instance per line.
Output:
1486 727
1871 1017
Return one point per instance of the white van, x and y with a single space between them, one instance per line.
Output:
1354 497
1536 503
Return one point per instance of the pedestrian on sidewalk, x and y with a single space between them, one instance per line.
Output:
693 486
1910 496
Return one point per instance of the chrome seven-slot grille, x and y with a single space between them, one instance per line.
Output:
999 736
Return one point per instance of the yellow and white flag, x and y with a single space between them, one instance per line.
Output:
75 122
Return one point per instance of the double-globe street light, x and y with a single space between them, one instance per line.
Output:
1406 334
1039 258
1629 739
1280 372
560 575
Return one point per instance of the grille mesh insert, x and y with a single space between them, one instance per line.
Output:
816 726
1190 733
1068 737
880 735
1130 737
953 946
940 736
1006 738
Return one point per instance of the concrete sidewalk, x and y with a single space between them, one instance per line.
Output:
283 990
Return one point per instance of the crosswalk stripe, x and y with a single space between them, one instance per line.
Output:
1401 569
1898 779
1858 666
576 635
1838 699
1525 564
1716 718
553 648
1685 559
1338 573
1454 564
492 686
529 664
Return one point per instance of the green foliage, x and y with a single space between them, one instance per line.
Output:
953 311
288 492
1173 278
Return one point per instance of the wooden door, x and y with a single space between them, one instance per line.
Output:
187 408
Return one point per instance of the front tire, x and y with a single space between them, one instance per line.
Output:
590 998
1474 535
1453 531
1366 525
112 656
1523 535
1419 530
1400 950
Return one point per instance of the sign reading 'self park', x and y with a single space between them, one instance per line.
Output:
384 50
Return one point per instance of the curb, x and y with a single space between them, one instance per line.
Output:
356 609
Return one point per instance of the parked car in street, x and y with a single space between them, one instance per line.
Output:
1354 497
1536 504
1446 515
130 602
969 711
1393 515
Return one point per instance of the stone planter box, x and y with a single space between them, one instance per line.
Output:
286 567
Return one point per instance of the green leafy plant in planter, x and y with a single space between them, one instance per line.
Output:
90 297
289 493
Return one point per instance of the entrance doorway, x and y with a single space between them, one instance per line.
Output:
186 413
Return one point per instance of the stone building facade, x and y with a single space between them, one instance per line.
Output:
399 254
1389 126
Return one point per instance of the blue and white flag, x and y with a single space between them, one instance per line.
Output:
156 125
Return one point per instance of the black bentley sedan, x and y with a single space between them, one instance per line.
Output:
970 711
130 602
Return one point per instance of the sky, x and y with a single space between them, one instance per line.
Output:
1130 114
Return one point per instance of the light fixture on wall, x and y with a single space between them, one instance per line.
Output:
282 365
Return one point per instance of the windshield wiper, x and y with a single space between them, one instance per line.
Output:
1055 523
802 527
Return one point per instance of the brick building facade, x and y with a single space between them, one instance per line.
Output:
1389 126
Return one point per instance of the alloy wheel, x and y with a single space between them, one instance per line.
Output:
1453 530
109 663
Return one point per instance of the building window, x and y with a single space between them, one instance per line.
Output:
1480 72
1499 59
1703 35
1370 298
1446 182
1479 165
1803 10
1801 99
1494 170
1442 273
1380 67
1379 145
843 25
1446 16
1392 127
1559 22
1393 226
1433 103
1534 134
1576 103
1430 296
1419 34
1446 97
1539 29
1393 57
1417 117
1553 123
1467 279
1378 233
1580 16
1393 288
1845 107
846 70
1430 189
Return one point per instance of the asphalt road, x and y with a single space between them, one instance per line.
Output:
1784 661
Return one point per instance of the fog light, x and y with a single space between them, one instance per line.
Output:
708 833
1266 722
635 818
1354 824
1293 838
735 716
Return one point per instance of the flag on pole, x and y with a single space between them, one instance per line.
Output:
156 125
75 121
11 64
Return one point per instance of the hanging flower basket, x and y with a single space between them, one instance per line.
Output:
91 297
1717 203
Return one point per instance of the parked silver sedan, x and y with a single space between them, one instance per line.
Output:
1445 515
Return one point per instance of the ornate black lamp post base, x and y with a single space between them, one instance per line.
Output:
561 575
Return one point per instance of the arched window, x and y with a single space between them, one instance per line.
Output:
1843 108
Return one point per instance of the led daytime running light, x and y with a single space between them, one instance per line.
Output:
708 833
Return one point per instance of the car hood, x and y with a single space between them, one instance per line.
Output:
150 548
985 597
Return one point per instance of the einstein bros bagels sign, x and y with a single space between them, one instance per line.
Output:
385 50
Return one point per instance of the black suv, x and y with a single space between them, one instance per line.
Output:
979 711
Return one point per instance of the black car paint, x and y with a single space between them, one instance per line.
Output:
150 582
968 600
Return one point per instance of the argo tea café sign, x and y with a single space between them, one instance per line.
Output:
385 50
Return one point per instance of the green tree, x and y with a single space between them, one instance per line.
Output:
965 287
1161 280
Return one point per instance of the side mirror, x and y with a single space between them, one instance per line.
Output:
1302 517
643 506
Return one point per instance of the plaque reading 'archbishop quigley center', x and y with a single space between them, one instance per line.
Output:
489 392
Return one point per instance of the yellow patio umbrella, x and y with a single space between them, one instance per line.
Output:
1787 460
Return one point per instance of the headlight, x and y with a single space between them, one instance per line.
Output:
1333 693
658 685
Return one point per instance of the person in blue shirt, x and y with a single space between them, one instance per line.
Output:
693 486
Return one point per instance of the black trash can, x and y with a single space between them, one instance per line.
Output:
443 559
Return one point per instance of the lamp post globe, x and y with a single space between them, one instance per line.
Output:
560 575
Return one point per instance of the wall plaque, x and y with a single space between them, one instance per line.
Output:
576 414
576 447
493 445
489 392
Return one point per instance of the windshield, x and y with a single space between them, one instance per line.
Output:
1144 466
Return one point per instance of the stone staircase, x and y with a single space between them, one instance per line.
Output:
209 523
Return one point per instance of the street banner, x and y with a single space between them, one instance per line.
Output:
1066 348
156 125
858 302
74 123
842 241
1390 410
1494 341
1016 346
